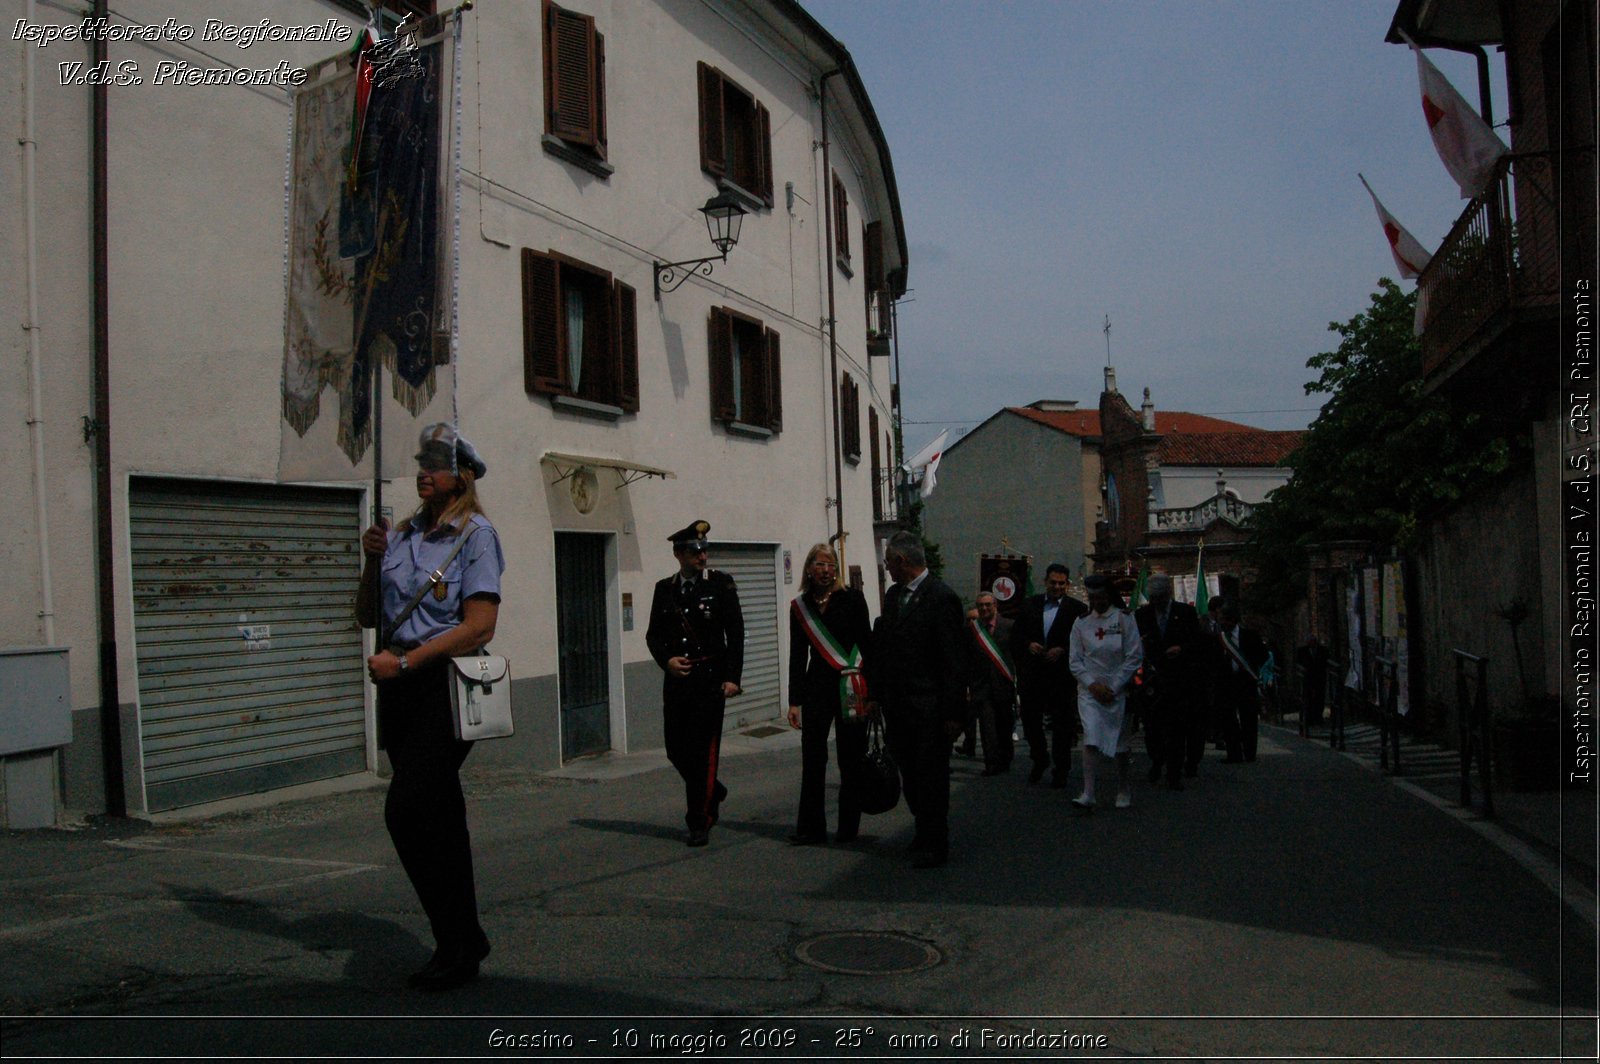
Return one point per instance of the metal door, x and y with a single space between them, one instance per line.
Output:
249 658
581 635
755 573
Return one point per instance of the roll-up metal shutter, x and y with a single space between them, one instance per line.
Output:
249 657
755 572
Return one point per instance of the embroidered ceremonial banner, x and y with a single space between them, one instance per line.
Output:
990 650
1006 577
370 262
852 684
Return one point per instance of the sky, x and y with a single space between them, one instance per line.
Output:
1185 167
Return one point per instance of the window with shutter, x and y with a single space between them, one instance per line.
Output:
574 86
850 418
746 388
579 334
735 135
841 224
877 464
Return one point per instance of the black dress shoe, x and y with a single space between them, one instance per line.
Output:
1035 774
919 845
1232 760
699 836
992 770
931 858
842 837
1058 782
451 967
807 838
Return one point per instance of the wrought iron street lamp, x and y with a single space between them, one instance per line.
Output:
724 216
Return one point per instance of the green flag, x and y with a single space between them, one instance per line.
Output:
1202 594
1138 598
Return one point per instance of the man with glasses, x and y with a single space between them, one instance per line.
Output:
696 635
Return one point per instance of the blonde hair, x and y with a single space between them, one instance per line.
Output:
461 509
811 556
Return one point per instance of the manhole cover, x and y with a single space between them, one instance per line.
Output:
764 731
867 953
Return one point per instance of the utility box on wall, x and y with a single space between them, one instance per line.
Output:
35 721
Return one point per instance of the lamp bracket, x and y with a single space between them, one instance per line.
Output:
671 275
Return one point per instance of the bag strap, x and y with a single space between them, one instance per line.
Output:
433 581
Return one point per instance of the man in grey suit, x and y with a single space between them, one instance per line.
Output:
915 673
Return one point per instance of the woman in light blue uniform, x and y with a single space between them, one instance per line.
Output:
425 811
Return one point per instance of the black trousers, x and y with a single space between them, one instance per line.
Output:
850 743
994 727
1040 713
1239 709
425 811
920 745
1167 728
692 727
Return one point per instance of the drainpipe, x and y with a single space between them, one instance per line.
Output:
110 697
833 323
47 607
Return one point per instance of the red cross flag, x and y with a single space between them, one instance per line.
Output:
1464 141
1410 257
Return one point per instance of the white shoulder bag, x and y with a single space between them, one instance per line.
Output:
480 684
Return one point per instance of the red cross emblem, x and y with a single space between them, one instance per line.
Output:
1099 633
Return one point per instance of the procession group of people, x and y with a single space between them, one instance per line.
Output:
927 670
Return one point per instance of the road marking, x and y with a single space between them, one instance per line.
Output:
264 859
1570 889
335 870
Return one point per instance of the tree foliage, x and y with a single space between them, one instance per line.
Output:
1379 457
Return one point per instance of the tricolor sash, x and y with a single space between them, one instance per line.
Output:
1237 655
852 684
992 652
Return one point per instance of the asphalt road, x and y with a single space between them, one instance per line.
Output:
1299 906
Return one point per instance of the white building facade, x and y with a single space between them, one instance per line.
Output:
204 605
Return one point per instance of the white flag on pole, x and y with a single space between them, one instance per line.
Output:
1410 257
1464 141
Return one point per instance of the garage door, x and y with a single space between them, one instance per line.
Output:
755 573
249 658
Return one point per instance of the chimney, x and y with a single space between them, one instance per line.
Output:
1111 380
1147 412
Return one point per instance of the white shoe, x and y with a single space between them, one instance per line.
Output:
1084 801
1124 800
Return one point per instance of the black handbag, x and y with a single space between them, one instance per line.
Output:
875 778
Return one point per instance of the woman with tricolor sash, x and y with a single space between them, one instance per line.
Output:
828 630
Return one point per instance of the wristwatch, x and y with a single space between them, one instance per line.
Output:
404 664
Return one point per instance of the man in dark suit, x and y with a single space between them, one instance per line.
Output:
1040 640
915 673
1238 684
1170 632
991 683
696 635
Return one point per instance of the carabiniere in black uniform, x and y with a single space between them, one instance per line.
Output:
695 616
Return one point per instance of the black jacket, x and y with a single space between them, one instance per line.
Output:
812 681
916 658
707 624
1035 676
985 682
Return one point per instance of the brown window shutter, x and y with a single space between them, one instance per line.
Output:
600 95
711 150
543 361
774 383
719 330
764 152
872 249
877 464
625 342
574 80
552 75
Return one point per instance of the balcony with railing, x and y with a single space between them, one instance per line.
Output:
1220 507
1500 261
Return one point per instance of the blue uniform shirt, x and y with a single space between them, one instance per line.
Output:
409 560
